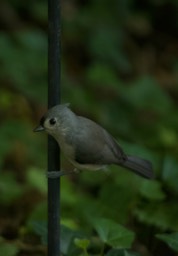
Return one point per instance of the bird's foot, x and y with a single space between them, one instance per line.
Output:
75 170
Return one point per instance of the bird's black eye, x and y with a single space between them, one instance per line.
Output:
52 121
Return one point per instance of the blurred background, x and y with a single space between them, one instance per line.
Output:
119 68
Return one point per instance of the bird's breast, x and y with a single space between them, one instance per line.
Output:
66 147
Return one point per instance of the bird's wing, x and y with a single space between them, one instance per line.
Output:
94 145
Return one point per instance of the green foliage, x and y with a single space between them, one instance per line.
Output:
152 190
73 241
169 173
38 214
116 252
25 49
40 228
67 241
113 234
83 244
145 93
162 215
37 179
10 189
8 249
170 239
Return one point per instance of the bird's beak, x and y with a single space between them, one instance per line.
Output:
39 128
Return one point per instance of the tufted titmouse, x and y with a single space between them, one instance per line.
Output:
86 144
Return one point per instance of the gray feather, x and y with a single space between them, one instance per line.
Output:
140 166
100 149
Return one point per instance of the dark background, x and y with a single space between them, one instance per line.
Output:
119 68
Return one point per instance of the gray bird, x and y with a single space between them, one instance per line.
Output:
86 144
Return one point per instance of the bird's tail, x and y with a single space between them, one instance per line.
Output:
140 166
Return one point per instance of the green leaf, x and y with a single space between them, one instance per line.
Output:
68 237
152 190
117 190
114 234
168 136
82 243
68 196
170 239
39 213
170 173
116 252
28 75
10 188
146 93
37 179
159 214
40 228
67 241
31 39
8 249
103 76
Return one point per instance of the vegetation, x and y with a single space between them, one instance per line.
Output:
119 68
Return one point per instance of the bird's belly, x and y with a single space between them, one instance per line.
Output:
89 167
66 148
69 153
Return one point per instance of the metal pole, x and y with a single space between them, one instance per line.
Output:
54 43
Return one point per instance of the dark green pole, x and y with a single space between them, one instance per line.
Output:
54 54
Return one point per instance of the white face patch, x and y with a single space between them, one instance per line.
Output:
50 124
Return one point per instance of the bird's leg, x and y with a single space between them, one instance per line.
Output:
74 171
